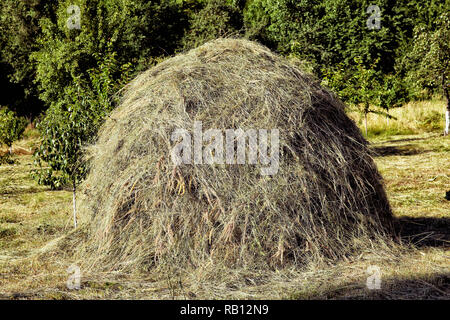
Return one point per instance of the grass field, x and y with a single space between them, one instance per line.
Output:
412 155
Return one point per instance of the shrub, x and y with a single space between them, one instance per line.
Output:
216 19
11 127
432 121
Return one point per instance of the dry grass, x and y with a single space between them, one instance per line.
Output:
145 214
412 118
31 217
37 242
415 172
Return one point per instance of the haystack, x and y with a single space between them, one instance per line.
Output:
143 210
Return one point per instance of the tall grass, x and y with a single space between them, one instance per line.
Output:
412 118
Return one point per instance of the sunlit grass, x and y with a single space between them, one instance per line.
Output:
413 118
416 173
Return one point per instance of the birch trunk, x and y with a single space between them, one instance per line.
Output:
447 98
365 122
447 121
74 205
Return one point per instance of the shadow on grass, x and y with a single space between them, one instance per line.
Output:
14 191
421 232
425 232
410 139
393 140
406 150
436 287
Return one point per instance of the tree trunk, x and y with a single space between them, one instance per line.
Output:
447 120
447 111
447 114
365 121
74 205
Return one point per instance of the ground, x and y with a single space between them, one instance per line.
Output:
416 170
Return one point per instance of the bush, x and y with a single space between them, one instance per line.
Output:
11 127
432 121
217 19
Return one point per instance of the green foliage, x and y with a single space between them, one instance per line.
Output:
79 70
11 127
327 33
356 85
71 124
137 31
216 19
428 62
19 30
392 92
361 85
21 19
365 88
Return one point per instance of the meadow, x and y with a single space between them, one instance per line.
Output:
411 153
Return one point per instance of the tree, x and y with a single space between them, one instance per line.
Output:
73 123
19 30
391 93
137 31
357 86
11 127
84 54
429 60
326 33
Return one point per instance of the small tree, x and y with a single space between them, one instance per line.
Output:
392 93
356 86
11 127
69 125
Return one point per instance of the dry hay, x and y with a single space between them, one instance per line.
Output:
142 212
